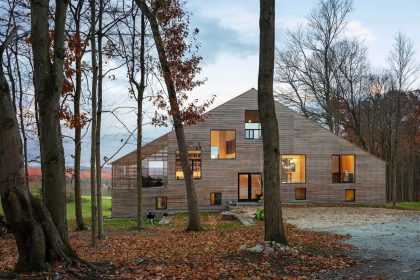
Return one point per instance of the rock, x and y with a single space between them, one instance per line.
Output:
268 251
256 249
228 216
246 221
242 248
165 220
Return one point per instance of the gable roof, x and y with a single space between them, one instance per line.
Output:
159 143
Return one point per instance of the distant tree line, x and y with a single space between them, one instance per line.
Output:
325 74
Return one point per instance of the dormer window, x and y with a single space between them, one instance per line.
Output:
252 124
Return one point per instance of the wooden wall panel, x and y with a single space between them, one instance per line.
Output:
297 134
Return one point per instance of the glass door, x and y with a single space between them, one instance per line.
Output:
249 186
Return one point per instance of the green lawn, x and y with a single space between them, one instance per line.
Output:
106 206
405 206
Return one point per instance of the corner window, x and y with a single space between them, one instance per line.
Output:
161 202
293 169
252 125
343 169
300 194
195 164
223 144
350 195
216 198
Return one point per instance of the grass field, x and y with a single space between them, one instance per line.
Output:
106 206
405 205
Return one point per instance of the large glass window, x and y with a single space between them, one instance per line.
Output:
293 169
154 169
223 144
252 124
250 186
195 164
343 169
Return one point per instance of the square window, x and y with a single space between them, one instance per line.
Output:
350 195
216 198
223 144
293 169
161 202
195 164
300 194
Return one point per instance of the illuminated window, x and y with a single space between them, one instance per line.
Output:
223 144
300 194
343 169
216 198
293 168
161 202
252 125
350 195
195 164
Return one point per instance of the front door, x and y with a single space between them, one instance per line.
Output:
249 186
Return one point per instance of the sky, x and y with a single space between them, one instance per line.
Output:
229 37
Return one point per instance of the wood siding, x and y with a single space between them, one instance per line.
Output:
298 135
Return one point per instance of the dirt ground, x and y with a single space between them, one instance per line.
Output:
387 240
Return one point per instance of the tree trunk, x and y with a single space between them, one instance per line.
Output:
37 238
274 230
194 220
48 85
78 138
93 124
98 127
140 94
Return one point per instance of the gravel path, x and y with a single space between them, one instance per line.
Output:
388 240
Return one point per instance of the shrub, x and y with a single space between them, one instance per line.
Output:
259 214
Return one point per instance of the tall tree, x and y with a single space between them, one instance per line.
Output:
99 123
168 17
403 71
48 81
274 229
78 48
306 65
94 209
38 240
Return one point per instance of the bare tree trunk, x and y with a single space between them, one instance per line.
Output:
140 95
98 127
194 220
78 141
21 116
93 125
37 238
274 230
48 82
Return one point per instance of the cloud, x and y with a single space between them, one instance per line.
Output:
360 31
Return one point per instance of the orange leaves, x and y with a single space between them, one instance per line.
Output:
168 252
72 120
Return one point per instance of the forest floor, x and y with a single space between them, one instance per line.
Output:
321 234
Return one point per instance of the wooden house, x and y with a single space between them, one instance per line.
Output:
225 151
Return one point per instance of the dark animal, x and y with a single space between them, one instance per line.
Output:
150 217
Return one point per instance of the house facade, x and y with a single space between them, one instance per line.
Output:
226 157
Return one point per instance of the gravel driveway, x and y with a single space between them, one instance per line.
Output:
388 240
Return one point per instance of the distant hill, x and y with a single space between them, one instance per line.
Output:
35 174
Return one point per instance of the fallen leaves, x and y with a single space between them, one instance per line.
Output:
163 252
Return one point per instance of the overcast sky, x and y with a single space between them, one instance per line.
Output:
229 39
